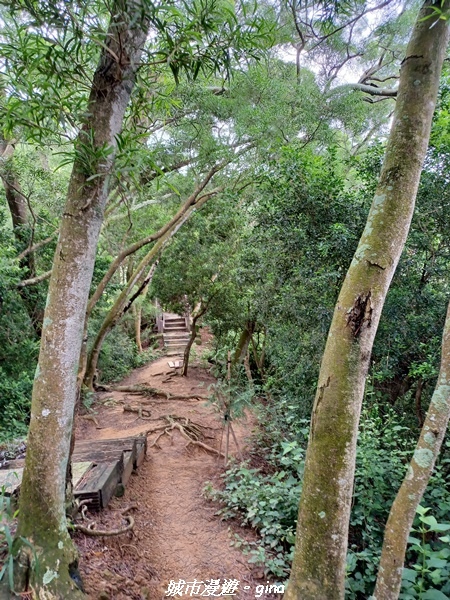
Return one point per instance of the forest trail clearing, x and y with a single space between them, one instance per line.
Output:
176 535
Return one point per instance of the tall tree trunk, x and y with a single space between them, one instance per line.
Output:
137 313
416 480
16 201
46 570
318 569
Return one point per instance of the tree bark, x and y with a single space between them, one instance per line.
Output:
137 310
416 480
46 571
418 402
318 569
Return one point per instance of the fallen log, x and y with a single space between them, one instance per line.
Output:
146 390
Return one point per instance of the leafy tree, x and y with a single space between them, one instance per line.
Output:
318 568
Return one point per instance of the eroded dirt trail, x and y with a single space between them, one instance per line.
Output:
176 535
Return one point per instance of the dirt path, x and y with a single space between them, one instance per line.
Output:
176 535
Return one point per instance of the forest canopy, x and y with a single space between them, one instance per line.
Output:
277 170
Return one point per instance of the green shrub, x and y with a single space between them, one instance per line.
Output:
119 356
268 502
15 402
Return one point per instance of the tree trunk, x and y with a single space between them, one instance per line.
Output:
136 278
318 569
192 201
187 350
416 480
119 307
243 344
137 310
46 570
418 402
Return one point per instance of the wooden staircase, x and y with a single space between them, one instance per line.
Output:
175 334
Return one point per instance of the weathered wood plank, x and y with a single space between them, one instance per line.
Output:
141 451
98 467
128 462
11 478
99 484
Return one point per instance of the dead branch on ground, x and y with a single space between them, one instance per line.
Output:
146 390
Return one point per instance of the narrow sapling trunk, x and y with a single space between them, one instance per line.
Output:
137 313
193 335
138 278
318 569
44 565
416 480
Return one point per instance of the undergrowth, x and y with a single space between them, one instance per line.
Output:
266 498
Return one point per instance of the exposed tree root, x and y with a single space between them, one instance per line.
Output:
146 390
143 413
188 429
89 530
91 418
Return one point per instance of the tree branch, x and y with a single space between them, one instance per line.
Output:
34 280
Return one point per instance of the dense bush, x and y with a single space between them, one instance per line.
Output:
266 498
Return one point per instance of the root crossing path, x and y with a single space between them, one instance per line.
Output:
176 536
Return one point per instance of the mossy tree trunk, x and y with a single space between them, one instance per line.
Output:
419 471
318 569
46 570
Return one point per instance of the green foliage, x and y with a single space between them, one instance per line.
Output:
119 356
427 575
230 399
267 503
8 520
15 401
7 516
266 498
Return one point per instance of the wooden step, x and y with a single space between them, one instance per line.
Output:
98 468
175 351
175 342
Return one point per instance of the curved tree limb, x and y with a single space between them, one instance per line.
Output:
34 280
193 198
